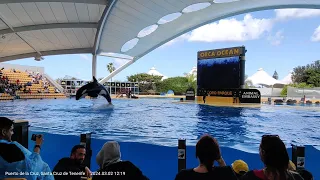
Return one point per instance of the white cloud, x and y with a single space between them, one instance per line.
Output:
316 34
180 38
283 14
232 30
276 39
83 56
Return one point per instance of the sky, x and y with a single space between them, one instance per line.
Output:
275 40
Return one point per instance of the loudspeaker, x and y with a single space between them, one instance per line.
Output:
21 132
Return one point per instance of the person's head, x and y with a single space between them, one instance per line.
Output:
207 151
306 175
6 128
78 153
109 154
240 167
273 153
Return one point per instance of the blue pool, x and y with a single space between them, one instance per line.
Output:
159 123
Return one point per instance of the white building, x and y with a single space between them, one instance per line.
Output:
262 78
154 72
194 71
288 78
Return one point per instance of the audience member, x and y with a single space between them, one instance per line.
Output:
240 168
74 164
15 158
208 151
306 175
291 166
113 168
274 155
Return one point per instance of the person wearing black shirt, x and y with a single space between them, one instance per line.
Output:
72 167
208 151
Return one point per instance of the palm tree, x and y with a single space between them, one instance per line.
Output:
110 68
191 78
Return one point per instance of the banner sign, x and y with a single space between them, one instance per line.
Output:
218 92
190 94
219 53
249 96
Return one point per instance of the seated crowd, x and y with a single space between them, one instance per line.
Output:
14 158
6 86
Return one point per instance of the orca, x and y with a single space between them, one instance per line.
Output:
93 89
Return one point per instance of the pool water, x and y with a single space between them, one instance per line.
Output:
162 122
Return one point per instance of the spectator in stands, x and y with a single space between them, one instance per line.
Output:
74 163
109 161
240 168
208 151
306 175
16 158
274 155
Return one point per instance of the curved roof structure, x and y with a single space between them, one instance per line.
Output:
35 28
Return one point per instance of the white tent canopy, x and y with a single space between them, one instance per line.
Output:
193 71
154 72
263 78
287 79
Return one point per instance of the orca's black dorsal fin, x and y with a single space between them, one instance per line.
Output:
94 79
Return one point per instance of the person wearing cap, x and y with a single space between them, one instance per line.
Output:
240 168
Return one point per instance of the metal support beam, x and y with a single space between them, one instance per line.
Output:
116 57
94 66
102 21
47 53
48 26
116 71
102 2
5 21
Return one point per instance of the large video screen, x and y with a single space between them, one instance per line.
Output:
219 73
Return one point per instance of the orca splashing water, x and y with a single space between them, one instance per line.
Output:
93 89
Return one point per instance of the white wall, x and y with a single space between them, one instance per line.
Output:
269 92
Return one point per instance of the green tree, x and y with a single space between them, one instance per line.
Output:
313 77
144 78
111 68
179 85
191 80
146 81
308 74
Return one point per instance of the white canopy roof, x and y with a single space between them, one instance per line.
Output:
287 79
193 71
263 78
35 28
154 72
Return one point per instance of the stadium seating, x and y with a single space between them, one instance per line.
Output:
24 78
